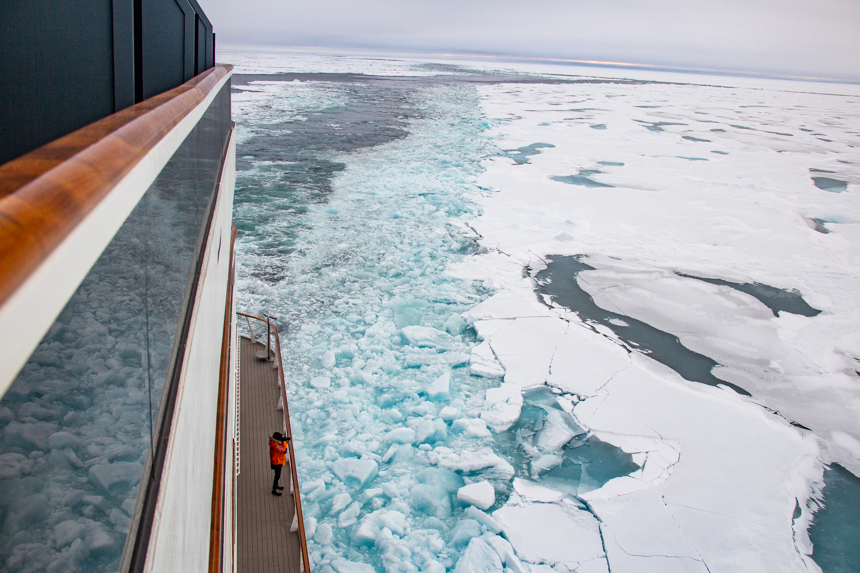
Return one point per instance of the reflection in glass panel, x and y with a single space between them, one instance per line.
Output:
77 424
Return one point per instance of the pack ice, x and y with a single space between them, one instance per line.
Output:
699 229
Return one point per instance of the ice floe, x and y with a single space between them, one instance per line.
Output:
647 238
552 533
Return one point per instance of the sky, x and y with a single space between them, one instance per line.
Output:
806 38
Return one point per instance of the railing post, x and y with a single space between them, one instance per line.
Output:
268 337
269 320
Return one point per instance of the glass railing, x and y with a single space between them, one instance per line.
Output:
81 420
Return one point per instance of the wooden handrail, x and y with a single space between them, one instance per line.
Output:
303 541
46 193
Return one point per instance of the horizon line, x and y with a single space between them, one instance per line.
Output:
545 59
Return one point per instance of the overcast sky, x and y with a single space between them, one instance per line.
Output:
817 38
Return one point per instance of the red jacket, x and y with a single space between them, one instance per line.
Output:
277 451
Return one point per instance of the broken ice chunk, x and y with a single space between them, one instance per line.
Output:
479 557
484 460
415 359
390 490
544 463
310 527
404 454
366 532
344 566
392 450
449 413
480 494
73 458
424 409
502 407
432 500
67 531
534 492
340 501
63 440
483 362
14 465
558 429
371 493
120 520
430 337
506 553
401 436
393 520
117 477
99 541
483 519
440 389
465 531
349 516
324 534
433 566
505 304
472 427
353 472
29 436
455 325
408 312
431 431
327 361
25 513
583 361
441 477
548 533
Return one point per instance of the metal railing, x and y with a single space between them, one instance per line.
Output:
267 354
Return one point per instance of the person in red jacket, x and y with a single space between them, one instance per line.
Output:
278 457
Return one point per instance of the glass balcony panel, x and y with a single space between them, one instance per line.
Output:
79 422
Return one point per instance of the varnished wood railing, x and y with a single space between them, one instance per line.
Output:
306 564
46 193
216 529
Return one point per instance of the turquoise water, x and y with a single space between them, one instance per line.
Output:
835 529
521 155
580 179
559 281
347 244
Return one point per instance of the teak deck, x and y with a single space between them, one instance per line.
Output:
263 539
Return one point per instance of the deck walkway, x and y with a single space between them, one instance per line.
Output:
264 542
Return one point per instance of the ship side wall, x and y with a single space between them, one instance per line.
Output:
180 535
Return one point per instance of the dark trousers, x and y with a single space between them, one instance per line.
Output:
277 476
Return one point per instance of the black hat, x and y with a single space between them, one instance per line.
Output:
278 436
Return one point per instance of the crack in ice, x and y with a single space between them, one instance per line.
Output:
672 515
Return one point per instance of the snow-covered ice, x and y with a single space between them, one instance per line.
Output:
724 471
480 494
552 533
502 407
